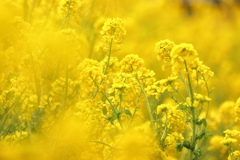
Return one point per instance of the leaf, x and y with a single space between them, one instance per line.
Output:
202 121
197 154
126 112
208 133
182 106
179 147
187 144
201 134
112 118
104 110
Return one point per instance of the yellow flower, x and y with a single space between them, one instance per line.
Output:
113 33
163 49
234 155
131 63
171 117
162 108
201 98
68 9
230 137
183 51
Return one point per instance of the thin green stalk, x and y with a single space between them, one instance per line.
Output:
105 144
193 112
194 132
208 95
105 69
67 14
135 110
114 109
108 60
164 135
66 85
37 83
147 104
177 91
112 106
189 83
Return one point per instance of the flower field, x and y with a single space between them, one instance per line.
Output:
119 80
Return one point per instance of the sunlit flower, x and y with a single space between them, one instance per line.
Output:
113 33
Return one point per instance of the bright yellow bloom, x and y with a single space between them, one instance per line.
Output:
68 9
163 49
230 137
234 155
131 63
113 33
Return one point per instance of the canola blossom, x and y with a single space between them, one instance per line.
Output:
119 80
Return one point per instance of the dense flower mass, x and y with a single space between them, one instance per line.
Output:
74 85
113 33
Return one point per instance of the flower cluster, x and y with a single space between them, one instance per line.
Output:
232 136
68 10
185 86
104 107
113 33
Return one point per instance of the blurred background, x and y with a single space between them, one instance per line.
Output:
35 36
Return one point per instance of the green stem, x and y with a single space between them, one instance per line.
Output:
164 135
147 104
194 132
66 19
108 59
134 112
208 95
105 69
66 84
37 83
192 112
104 144
114 110
112 106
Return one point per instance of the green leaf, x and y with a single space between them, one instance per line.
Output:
179 147
197 154
104 110
126 112
201 134
187 145
208 133
182 106
112 118
202 121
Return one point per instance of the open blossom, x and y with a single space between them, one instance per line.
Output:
131 63
231 136
68 9
171 117
198 99
180 58
182 54
113 33
234 155
163 49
